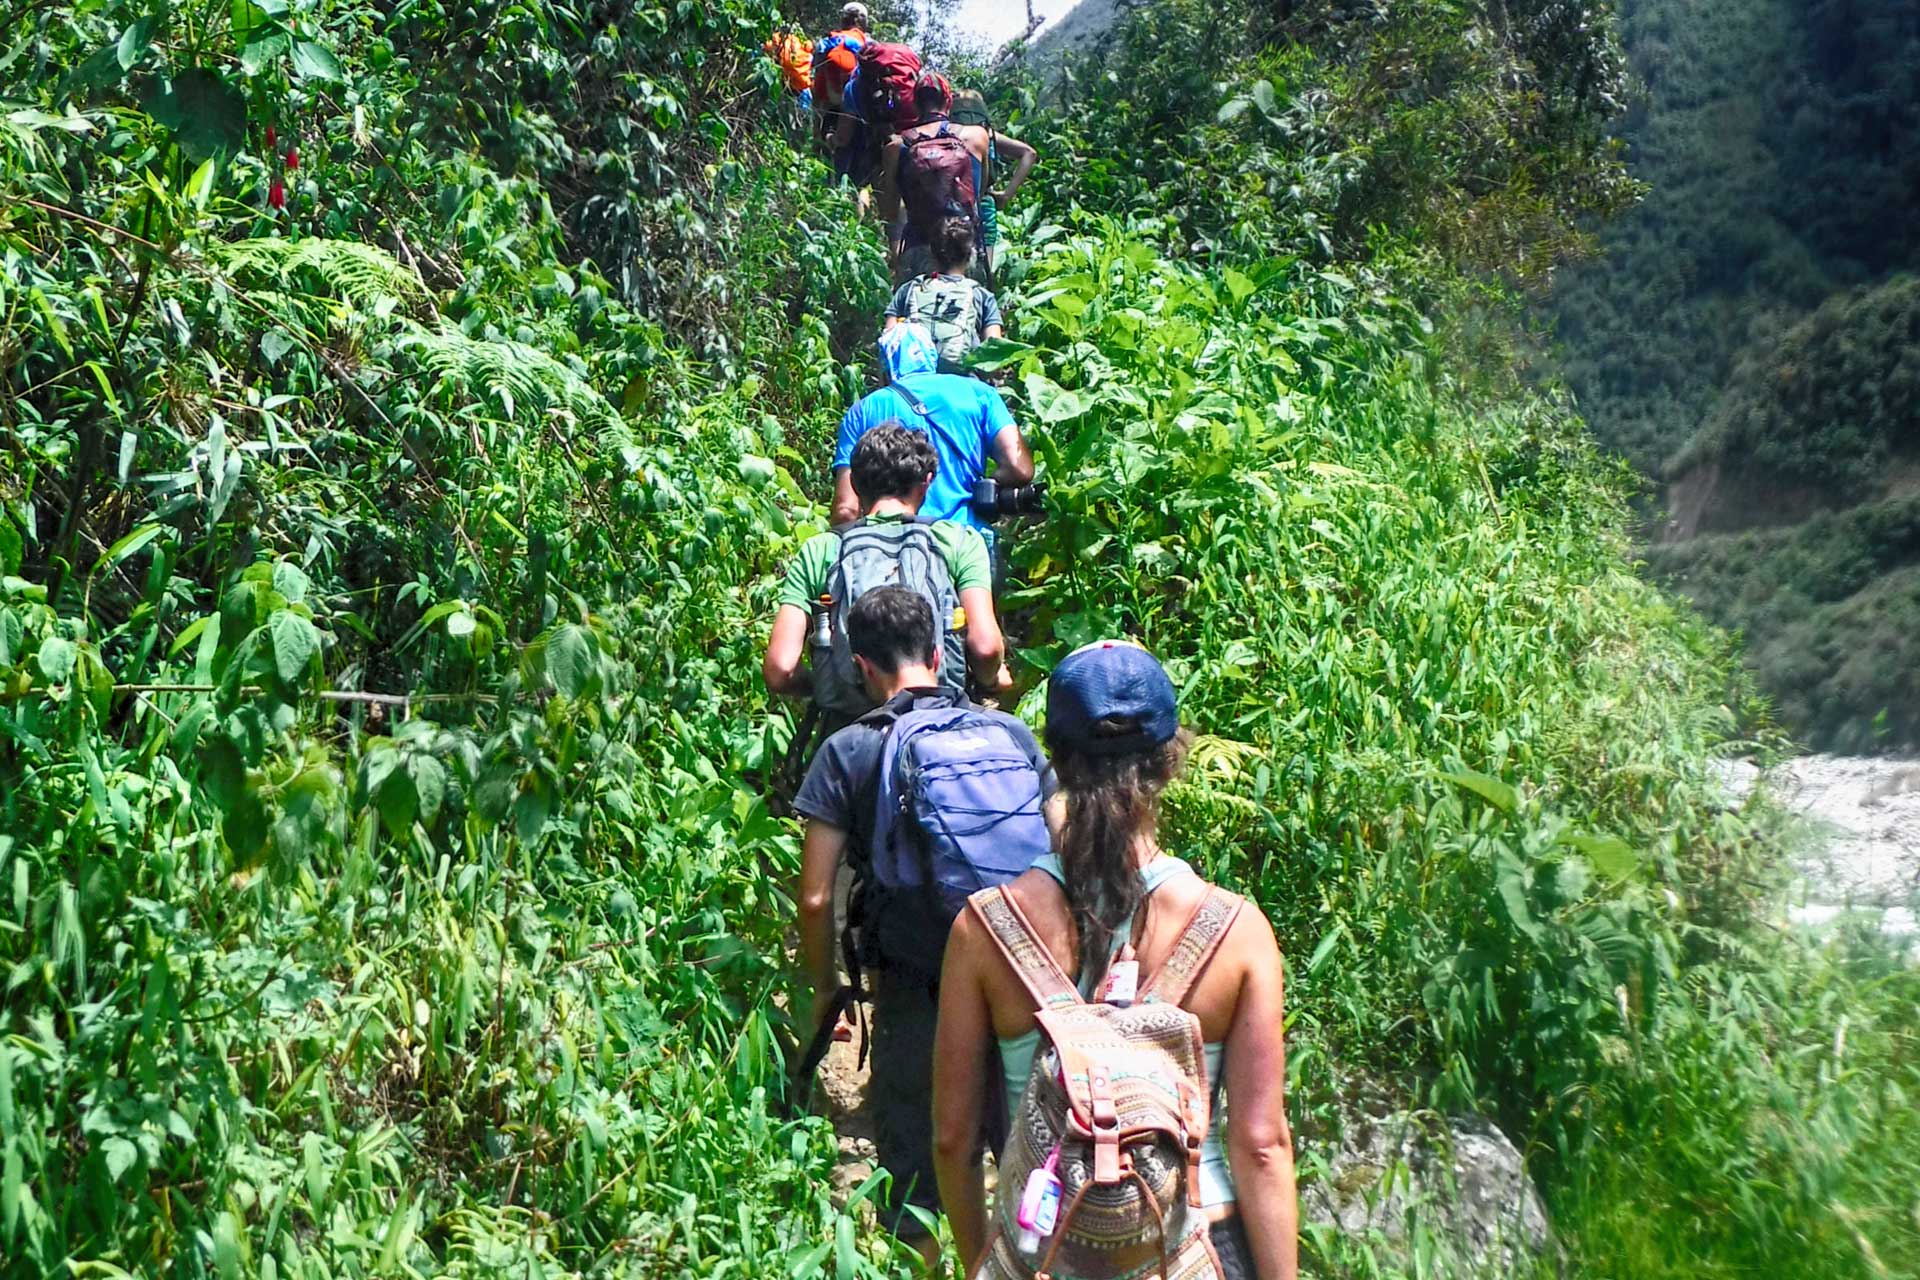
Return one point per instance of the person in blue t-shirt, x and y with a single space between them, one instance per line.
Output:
966 418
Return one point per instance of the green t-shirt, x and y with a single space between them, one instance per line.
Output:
965 549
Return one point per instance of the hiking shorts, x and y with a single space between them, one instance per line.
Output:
900 1102
1230 1242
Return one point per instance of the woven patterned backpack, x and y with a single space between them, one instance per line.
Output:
1118 1099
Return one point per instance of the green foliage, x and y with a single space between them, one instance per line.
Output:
1475 133
384 884
1826 412
1778 140
1830 613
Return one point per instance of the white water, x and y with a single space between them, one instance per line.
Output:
1862 854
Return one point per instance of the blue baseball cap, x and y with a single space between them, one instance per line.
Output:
909 348
1111 680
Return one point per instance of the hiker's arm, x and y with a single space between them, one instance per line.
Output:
1259 1144
1023 157
986 646
1015 459
782 668
846 503
961 1044
819 863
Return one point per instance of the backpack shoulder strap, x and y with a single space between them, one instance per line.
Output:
1029 958
1205 930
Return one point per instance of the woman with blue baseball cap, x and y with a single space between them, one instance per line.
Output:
966 419
1111 907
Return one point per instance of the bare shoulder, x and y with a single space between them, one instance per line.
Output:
1251 939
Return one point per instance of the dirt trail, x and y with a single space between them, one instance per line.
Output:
842 1085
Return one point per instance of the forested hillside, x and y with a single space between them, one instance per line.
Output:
406 414
1747 338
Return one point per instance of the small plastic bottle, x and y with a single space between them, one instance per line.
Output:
1039 1205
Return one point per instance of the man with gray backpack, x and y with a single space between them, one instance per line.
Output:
927 798
889 543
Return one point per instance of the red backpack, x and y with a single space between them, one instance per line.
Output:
936 179
886 79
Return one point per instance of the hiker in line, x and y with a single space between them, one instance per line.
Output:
837 124
965 417
958 311
970 108
928 173
891 468
859 805
1110 913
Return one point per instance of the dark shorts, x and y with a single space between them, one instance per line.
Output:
900 1103
1236 1254
856 161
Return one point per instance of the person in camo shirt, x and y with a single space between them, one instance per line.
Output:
959 311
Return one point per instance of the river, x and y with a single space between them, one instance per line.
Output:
1858 853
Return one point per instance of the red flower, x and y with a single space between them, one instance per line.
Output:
277 194
293 158
272 138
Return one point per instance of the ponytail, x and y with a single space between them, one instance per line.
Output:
1110 800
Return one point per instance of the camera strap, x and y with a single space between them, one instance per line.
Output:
914 402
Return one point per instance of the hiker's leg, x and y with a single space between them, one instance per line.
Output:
899 1102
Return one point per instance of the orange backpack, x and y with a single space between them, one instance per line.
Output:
1116 1107
795 57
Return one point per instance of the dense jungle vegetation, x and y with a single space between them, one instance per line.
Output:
1748 337
406 412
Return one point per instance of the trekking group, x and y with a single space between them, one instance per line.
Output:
1044 980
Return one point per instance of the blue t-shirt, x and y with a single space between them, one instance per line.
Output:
963 416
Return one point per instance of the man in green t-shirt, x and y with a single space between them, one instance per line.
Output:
891 468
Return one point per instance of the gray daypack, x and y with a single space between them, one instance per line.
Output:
887 554
950 309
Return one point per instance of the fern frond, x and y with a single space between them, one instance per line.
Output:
370 278
525 381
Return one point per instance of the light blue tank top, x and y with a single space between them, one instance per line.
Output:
1016 1052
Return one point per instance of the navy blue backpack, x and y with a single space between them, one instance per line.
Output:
957 809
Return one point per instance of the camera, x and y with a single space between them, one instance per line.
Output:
993 500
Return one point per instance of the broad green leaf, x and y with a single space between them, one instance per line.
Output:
263 50
245 827
291 581
314 62
12 545
756 470
429 785
121 1155
133 42
1492 790
222 770
997 353
56 658
1051 402
205 114
570 659
1611 856
461 623
1263 97
397 801
295 641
